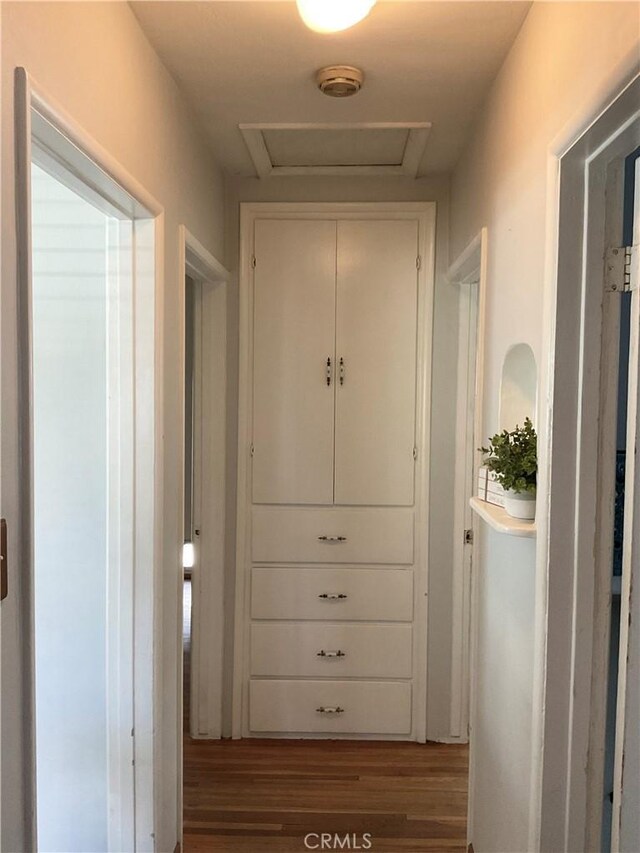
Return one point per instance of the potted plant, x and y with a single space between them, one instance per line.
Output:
513 457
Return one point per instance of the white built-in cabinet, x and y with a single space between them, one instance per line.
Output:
330 635
334 362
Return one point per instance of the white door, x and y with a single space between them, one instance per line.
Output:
626 802
293 361
376 334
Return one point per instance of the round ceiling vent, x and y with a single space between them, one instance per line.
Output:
339 81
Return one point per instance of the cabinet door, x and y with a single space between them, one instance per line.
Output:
377 295
294 335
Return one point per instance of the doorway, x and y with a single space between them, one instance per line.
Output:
204 481
76 489
201 574
618 552
87 290
581 624
468 274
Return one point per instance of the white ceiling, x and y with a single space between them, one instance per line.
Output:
255 61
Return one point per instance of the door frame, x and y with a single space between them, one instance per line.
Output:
425 213
571 614
148 218
624 831
468 273
210 279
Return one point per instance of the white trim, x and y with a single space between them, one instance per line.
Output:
148 253
198 261
425 212
557 805
120 538
625 820
417 136
207 630
609 180
210 279
468 271
466 267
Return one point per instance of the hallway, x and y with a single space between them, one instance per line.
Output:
260 795
267 795
275 275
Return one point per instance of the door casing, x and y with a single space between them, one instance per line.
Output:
148 247
569 673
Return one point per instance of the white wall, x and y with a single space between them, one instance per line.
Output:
308 189
563 56
95 62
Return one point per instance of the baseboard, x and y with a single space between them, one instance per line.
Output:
449 739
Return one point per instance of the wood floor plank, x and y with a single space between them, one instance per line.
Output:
267 795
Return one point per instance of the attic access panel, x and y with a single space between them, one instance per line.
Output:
371 148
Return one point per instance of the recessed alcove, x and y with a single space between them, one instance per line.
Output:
518 387
518 401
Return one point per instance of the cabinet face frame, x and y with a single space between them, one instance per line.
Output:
424 213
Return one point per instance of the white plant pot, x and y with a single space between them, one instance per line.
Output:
520 504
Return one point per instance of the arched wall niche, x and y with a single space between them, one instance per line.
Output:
518 388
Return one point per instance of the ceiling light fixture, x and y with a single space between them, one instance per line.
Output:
339 81
331 16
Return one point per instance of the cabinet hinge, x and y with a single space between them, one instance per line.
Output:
468 537
251 450
418 262
621 269
253 261
415 452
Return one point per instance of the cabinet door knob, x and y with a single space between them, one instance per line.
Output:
330 710
332 596
332 538
338 653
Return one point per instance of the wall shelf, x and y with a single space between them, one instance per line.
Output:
501 521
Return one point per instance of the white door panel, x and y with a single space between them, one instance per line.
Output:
294 317
377 295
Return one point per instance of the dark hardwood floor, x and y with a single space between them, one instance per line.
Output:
267 795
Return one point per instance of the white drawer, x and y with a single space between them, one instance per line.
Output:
335 535
373 595
367 707
334 651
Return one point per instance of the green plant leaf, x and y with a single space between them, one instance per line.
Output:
513 456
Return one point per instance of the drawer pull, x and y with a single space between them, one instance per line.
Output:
332 538
336 710
332 596
331 654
